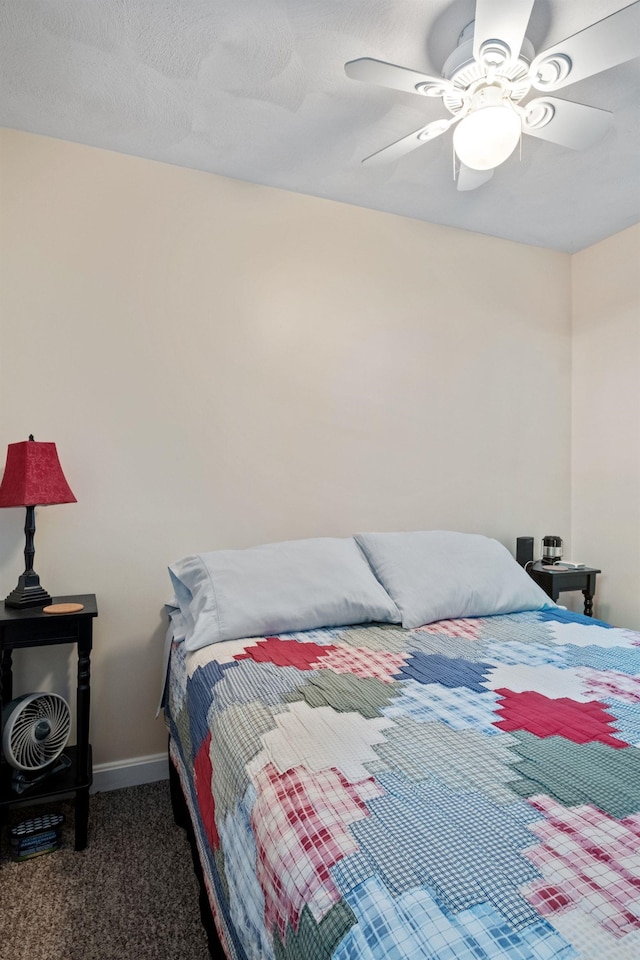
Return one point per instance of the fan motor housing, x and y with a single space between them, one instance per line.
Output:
463 70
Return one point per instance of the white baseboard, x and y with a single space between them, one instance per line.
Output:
130 773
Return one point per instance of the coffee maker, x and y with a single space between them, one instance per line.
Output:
551 550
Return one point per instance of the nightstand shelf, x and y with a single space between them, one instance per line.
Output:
33 628
556 581
65 782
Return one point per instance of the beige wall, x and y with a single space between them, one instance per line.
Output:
223 364
606 421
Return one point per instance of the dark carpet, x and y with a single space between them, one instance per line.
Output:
131 894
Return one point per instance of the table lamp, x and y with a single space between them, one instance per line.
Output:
32 477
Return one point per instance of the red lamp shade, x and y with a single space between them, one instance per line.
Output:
33 476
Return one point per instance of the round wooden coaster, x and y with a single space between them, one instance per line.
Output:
63 608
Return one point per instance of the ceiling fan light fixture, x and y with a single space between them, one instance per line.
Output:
487 137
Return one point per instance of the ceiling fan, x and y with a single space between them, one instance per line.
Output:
490 73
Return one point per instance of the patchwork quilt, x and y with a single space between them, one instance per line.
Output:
467 790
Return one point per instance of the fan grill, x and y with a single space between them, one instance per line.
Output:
36 730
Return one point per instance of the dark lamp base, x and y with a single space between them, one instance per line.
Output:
28 593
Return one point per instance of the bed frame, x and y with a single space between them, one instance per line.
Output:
182 819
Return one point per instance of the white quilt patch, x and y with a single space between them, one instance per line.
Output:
552 682
321 738
583 635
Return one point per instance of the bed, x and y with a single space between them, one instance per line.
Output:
463 789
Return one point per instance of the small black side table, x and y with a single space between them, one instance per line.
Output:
33 628
556 581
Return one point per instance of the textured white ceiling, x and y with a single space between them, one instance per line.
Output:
255 89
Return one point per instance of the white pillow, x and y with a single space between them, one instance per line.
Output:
441 575
277 588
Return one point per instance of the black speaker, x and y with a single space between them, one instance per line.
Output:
524 550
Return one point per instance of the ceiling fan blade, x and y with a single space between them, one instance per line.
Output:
604 44
397 78
570 124
500 20
401 147
469 179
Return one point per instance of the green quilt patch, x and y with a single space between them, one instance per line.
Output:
463 759
312 939
346 692
237 736
575 773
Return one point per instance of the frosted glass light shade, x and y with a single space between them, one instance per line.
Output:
485 138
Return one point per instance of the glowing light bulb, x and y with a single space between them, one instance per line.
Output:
487 136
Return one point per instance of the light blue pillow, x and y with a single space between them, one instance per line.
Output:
277 588
442 575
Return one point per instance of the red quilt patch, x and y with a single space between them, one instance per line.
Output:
203 771
562 717
286 653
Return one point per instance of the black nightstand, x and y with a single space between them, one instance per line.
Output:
556 581
33 628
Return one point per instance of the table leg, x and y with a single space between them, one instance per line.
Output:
6 677
83 697
82 817
588 594
588 603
